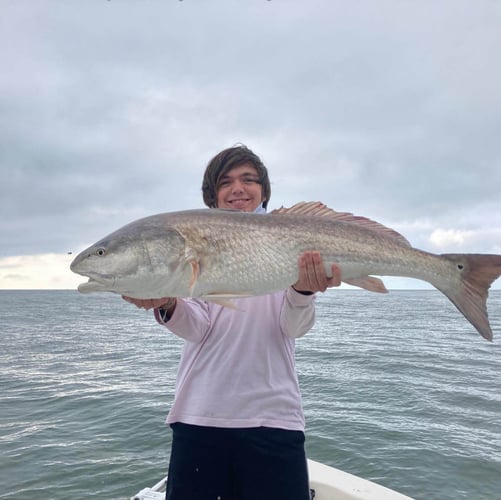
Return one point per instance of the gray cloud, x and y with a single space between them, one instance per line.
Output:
110 111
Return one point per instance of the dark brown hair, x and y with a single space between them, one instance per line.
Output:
226 160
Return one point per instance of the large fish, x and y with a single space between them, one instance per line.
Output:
219 254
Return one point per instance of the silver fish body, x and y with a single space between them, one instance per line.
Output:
219 254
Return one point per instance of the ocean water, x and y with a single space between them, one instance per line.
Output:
398 389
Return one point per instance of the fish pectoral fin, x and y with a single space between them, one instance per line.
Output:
368 283
195 271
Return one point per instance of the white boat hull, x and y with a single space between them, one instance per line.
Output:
333 484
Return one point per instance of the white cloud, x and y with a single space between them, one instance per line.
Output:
44 271
447 238
466 240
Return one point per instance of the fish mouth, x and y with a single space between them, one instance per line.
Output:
97 283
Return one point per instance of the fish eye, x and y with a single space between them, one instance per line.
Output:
100 252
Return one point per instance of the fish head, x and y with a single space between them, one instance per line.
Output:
132 261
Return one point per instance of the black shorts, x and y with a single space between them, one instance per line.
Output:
210 463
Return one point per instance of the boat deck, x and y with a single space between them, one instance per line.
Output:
326 483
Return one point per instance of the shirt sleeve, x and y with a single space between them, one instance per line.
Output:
189 321
298 313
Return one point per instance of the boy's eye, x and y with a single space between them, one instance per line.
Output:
245 180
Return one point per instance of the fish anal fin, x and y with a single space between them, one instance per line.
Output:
368 283
319 209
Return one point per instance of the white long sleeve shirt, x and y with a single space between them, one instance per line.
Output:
238 365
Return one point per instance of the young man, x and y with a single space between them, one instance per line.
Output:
237 417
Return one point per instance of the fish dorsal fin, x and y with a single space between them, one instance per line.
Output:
318 209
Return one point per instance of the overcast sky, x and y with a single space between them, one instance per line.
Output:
110 111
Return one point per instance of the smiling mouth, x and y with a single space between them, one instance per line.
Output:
239 201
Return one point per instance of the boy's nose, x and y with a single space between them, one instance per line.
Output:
237 186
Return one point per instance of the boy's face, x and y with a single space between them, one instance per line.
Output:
240 189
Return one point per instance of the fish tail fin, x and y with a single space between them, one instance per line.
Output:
478 272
